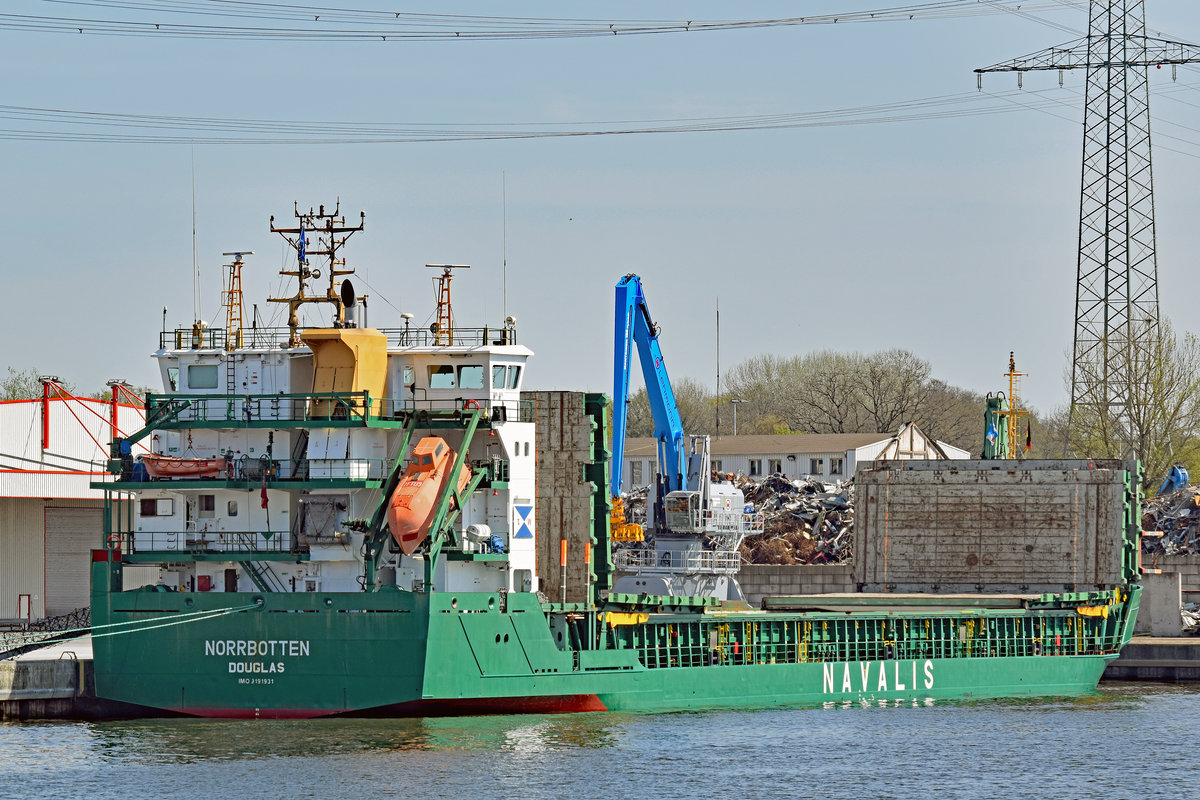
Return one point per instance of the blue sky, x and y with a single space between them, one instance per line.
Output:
952 237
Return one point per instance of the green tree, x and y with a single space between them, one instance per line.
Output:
692 398
1161 425
24 384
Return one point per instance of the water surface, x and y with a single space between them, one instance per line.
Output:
1127 740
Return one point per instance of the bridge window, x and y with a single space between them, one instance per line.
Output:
202 376
498 376
441 376
157 507
470 376
514 377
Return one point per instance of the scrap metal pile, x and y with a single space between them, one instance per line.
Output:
804 521
1177 516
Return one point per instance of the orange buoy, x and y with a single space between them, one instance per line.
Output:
413 504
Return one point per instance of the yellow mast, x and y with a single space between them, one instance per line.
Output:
1014 405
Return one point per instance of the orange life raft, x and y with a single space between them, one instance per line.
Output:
414 503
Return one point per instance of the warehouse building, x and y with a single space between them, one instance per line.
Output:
827 457
51 449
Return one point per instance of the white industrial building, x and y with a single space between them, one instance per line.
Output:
51 449
827 457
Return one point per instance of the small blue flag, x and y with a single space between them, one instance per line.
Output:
991 432
301 246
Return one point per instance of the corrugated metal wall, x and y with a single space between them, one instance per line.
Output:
79 435
23 549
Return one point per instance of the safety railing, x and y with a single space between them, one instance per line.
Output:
202 541
182 409
338 408
236 469
720 520
193 338
702 561
798 640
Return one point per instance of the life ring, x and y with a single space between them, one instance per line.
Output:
114 541
467 404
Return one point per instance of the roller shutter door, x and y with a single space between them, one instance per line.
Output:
71 535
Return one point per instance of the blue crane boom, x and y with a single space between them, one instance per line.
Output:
633 324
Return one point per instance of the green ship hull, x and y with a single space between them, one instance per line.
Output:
401 653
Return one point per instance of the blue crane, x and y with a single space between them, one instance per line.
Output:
634 324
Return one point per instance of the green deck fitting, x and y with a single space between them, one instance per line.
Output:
443 520
649 601
377 532
566 608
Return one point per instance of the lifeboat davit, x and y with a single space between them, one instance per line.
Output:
413 504
174 467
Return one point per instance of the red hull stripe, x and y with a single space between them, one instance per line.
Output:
546 704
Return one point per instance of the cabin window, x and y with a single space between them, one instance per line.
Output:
207 506
635 473
441 376
774 465
157 507
173 379
202 376
498 376
409 378
816 466
527 448
470 376
514 377
426 459
756 466
837 466
438 451
232 508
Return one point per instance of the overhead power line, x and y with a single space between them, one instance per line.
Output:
168 18
50 124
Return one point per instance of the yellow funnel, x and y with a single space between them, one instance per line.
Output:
346 360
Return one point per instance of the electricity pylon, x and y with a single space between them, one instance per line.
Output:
1116 295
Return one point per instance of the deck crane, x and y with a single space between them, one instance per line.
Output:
696 524
633 325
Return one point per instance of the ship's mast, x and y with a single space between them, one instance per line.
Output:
443 329
235 309
1015 411
331 232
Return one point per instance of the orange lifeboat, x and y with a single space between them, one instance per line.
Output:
414 502
160 467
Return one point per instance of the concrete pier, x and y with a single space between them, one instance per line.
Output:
1156 658
57 682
